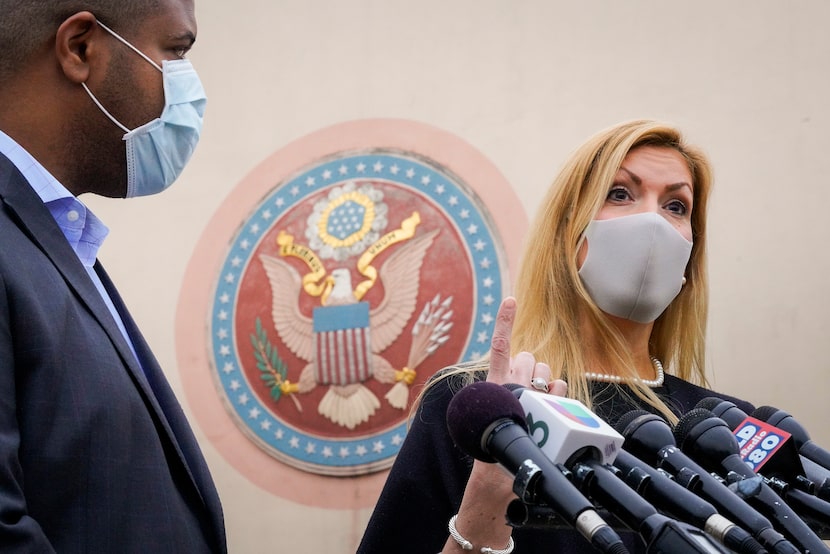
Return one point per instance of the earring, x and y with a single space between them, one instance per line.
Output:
683 282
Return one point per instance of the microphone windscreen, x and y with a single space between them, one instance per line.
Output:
474 409
626 419
709 403
782 420
689 421
764 413
724 409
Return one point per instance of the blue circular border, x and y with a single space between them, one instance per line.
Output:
454 199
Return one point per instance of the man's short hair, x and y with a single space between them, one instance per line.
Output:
29 26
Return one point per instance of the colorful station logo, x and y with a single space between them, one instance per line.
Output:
348 285
575 412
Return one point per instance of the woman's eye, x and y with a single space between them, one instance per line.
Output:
677 207
618 194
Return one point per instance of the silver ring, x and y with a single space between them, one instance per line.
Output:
539 384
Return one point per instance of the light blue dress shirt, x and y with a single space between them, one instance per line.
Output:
82 229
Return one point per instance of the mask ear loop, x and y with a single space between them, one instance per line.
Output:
130 46
103 109
134 49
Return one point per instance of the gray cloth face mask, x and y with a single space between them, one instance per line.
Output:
635 265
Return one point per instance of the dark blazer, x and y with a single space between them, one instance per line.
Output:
96 454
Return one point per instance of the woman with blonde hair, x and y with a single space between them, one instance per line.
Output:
612 297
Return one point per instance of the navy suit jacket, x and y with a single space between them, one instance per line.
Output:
96 454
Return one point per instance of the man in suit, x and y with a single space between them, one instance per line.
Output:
95 452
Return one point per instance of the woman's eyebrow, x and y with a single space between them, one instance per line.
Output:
672 187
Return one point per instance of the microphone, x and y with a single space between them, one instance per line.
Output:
777 458
708 439
680 502
570 434
785 421
659 532
565 429
487 422
649 437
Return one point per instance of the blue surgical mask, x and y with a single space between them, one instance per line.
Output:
158 151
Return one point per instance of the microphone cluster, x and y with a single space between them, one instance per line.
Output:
720 481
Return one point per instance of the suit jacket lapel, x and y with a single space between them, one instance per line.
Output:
35 220
170 413
160 395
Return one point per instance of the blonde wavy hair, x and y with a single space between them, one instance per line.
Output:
554 308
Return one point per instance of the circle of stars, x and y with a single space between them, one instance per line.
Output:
393 167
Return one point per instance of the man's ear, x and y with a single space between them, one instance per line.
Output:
78 43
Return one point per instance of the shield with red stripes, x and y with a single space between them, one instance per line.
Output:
342 345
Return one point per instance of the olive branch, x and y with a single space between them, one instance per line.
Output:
273 371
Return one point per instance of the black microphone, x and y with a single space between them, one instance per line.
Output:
783 420
767 449
784 459
649 437
659 532
708 439
569 433
683 504
724 409
772 452
487 422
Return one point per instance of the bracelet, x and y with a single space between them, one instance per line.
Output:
467 545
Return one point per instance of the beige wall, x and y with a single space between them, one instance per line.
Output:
524 81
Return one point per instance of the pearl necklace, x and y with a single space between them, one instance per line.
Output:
653 383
